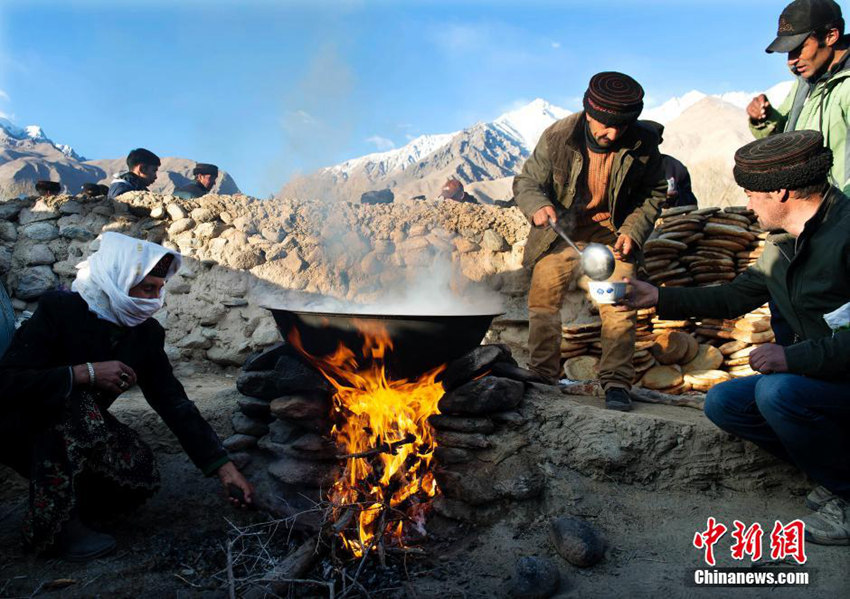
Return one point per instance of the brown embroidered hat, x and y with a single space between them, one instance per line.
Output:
161 268
800 19
613 98
783 161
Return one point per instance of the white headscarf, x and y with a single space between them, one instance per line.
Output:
121 263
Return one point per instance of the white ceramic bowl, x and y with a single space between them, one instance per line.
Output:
606 292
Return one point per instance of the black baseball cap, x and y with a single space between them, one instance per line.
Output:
800 19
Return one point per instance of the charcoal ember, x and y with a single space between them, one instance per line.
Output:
482 397
510 370
476 483
511 419
304 406
452 455
254 408
535 578
576 541
474 363
462 440
248 426
305 473
239 442
444 422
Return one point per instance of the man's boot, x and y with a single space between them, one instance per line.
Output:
830 525
617 398
76 542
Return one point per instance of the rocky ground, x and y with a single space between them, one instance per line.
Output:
646 480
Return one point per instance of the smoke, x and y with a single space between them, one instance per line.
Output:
383 266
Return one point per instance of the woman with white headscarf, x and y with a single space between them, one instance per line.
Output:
64 368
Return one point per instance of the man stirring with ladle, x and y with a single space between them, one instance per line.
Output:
598 174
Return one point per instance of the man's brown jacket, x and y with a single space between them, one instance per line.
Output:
550 177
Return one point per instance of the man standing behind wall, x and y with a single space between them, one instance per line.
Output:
600 175
811 32
143 166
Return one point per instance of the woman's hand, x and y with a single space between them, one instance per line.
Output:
113 376
228 474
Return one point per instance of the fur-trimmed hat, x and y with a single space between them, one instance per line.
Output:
205 169
613 99
783 161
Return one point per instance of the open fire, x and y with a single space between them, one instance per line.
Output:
382 426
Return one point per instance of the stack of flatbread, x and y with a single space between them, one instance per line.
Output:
666 379
675 231
578 338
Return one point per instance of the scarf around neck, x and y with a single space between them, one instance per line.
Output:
119 264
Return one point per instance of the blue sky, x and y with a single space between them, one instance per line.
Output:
266 89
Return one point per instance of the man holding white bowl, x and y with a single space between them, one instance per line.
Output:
797 407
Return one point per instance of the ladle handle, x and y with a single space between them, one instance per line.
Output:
557 228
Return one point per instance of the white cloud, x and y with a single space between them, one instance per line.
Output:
4 95
382 143
556 45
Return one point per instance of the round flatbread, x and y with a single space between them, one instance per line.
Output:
693 350
747 337
730 347
670 347
567 345
668 212
739 210
742 353
584 368
753 325
666 244
644 345
730 362
708 358
725 244
579 328
693 238
662 377
709 210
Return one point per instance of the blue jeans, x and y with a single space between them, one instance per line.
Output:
799 419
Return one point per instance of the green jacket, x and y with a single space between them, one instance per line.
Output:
823 106
550 177
806 277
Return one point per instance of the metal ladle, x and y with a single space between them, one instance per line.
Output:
597 260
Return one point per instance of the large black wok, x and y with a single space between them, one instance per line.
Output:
420 343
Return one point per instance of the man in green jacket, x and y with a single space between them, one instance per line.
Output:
599 173
798 408
811 32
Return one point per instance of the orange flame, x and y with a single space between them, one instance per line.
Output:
390 490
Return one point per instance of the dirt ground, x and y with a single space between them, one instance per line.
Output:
175 546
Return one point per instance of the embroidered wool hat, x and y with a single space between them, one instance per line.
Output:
613 99
783 161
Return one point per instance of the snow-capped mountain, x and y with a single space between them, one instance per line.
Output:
33 134
486 156
384 163
527 123
674 107
28 155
